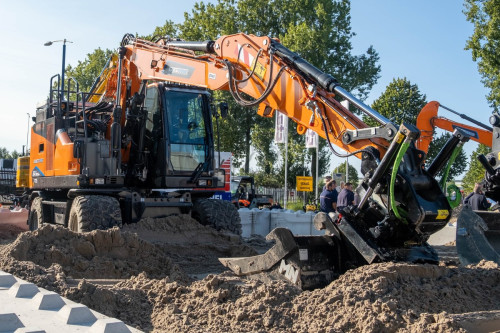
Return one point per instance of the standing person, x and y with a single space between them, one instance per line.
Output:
477 200
328 198
345 197
327 179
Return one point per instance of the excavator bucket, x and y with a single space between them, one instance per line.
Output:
478 236
308 262
305 261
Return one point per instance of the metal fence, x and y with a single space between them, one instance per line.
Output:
279 194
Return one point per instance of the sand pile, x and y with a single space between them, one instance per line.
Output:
97 254
193 247
154 294
378 298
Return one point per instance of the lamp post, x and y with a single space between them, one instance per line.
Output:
64 41
27 133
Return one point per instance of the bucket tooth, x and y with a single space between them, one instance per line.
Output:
285 244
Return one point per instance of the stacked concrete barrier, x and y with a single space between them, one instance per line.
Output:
262 221
26 308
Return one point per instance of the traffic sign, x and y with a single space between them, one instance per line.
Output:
305 184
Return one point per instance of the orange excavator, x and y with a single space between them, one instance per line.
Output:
141 143
428 120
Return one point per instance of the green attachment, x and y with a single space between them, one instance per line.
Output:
453 156
399 158
454 188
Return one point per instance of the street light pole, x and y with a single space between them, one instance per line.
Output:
27 133
64 41
63 69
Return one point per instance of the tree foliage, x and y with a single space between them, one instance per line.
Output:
353 173
476 171
485 43
4 153
89 69
401 102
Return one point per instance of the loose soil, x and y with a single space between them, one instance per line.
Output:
163 275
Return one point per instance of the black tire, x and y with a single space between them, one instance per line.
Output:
36 215
218 214
91 212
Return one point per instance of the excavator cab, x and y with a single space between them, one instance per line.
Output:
178 135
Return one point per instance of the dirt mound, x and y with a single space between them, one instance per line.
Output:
192 246
384 297
156 295
97 254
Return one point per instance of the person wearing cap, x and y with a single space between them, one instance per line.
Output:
328 198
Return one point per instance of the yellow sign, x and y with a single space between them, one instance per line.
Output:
260 70
305 184
442 214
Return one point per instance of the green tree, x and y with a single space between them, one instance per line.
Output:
485 43
89 69
169 29
401 102
460 162
353 173
4 153
15 154
475 174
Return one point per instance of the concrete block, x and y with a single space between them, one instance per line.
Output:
23 289
76 314
109 325
9 322
262 222
29 330
48 300
6 280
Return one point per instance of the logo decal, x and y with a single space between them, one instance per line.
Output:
37 173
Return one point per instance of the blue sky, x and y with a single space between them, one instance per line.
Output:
420 40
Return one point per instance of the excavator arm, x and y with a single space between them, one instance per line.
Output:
258 71
428 120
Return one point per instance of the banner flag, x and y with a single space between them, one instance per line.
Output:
281 128
311 139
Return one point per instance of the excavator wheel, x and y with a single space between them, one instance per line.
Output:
91 212
218 214
36 216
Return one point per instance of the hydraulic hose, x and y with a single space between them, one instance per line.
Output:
397 161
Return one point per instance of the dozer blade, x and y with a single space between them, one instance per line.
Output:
478 236
285 244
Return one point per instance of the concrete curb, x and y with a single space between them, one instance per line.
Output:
25 308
